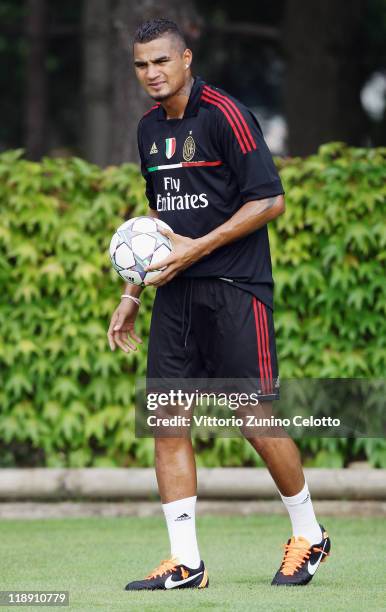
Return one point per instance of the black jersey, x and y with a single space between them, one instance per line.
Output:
200 170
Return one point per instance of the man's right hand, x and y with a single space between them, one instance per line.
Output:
121 330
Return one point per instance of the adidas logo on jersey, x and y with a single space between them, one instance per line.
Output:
153 149
183 517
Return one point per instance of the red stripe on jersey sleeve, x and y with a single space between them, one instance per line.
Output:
213 95
229 118
236 111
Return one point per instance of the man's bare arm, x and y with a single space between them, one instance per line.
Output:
153 213
247 219
121 332
186 251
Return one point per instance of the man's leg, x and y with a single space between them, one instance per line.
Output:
245 349
175 468
281 456
177 483
282 459
174 458
309 544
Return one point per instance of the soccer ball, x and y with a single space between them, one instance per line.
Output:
137 243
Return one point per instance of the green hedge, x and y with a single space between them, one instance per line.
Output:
66 400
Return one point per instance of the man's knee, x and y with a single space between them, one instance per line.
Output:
266 444
170 446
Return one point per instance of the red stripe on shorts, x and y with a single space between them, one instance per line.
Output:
264 320
260 350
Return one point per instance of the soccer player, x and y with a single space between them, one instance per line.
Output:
210 176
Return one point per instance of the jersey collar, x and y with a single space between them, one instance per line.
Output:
193 104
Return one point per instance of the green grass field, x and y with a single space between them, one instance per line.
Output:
94 558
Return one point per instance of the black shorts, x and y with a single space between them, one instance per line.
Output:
206 328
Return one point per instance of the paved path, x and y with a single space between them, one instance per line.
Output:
52 510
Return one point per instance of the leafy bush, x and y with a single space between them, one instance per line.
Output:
329 252
66 400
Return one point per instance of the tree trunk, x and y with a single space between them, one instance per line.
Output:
36 79
113 101
129 100
96 24
322 89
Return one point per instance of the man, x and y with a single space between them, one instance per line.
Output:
210 176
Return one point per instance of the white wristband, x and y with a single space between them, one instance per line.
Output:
131 297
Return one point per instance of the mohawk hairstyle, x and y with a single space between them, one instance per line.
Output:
155 28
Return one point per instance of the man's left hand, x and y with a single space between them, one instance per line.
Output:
186 252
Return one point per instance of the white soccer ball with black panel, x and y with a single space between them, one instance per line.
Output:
136 244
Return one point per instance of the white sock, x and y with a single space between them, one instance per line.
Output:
181 521
302 516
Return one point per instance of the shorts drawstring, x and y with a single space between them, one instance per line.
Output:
189 287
